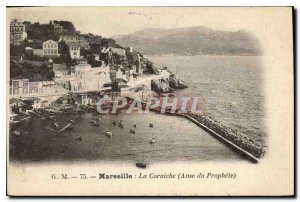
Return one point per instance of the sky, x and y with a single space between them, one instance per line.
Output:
111 21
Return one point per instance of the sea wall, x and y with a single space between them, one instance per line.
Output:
232 135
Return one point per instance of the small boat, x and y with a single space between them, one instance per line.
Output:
72 121
141 165
152 140
132 131
121 124
114 123
17 132
43 118
79 138
55 125
108 133
134 125
151 125
96 123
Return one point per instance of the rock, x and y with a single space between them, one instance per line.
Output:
176 83
150 68
161 86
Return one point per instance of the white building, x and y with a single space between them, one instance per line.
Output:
74 50
50 48
82 67
17 32
69 38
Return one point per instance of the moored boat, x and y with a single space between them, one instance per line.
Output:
141 165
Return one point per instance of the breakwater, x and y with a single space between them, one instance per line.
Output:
233 138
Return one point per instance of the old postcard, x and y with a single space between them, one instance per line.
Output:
150 101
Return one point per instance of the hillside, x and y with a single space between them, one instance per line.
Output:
191 41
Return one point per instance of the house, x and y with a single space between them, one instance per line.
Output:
60 70
38 52
17 32
82 67
69 38
28 51
107 54
50 48
129 49
57 28
97 57
84 43
19 86
118 51
74 49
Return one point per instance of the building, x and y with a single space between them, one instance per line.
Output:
17 32
118 51
19 85
69 38
84 43
60 70
57 28
129 49
28 51
74 50
38 52
50 48
82 67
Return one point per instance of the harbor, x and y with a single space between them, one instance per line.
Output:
173 143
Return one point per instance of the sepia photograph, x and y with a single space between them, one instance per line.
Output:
137 89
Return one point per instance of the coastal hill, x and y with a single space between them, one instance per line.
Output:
191 41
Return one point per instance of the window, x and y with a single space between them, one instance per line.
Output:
75 53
